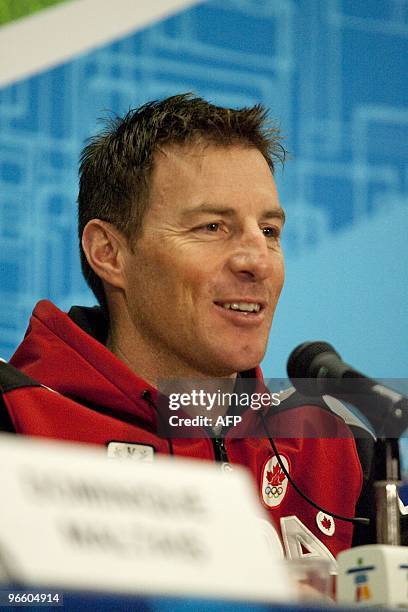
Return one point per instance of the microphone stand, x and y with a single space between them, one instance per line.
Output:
387 480
389 425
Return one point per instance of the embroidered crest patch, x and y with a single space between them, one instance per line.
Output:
130 450
274 482
325 523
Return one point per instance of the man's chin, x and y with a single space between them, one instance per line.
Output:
240 363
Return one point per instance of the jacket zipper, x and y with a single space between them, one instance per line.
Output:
220 451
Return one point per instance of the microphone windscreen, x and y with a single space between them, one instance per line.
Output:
301 358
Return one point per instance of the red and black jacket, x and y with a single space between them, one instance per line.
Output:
63 383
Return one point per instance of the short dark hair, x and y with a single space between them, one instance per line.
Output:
116 164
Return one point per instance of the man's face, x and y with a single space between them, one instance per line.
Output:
205 276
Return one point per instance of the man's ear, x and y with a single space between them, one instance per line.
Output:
104 247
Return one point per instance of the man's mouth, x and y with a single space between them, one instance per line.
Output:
246 307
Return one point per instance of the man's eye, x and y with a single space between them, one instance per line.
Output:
271 232
212 227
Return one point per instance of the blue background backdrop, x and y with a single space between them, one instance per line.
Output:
333 73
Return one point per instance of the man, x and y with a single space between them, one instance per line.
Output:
180 225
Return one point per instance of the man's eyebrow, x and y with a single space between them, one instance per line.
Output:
275 213
269 213
208 209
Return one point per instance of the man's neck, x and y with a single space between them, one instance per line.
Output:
155 365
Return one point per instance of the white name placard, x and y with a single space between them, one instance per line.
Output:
74 519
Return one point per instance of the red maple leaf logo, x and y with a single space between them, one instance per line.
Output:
326 523
276 477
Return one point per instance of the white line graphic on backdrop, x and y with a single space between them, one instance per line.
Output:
56 34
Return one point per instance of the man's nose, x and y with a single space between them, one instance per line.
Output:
251 258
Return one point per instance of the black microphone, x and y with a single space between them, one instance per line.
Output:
315 368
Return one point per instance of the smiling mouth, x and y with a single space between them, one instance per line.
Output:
245 307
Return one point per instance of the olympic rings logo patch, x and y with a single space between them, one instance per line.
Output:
273 491
274 481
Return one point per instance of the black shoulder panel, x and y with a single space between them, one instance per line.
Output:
11 378
291 398
358 424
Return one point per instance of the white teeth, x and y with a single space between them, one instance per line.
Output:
244 306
